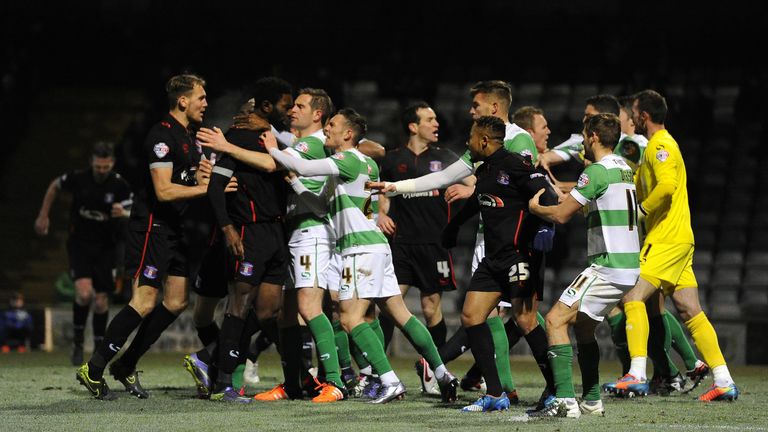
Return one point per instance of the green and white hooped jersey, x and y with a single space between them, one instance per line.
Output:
516 140
352 206
299 215
608 190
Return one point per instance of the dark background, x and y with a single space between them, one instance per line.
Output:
72 73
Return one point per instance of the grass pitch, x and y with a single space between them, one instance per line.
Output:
39 392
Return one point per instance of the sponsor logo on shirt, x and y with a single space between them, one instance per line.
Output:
435 166
502 178
583 180
150 272
489 200
161 149
662 155
246 268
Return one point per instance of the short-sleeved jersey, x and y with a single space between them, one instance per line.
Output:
90 215
516 140
299 215
168 145
260 195
352 206
663 163
505 183
421 216
607 189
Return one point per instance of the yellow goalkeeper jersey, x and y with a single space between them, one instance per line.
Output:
670 220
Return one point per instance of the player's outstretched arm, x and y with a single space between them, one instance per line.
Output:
302 167
43 222
454 173
216 141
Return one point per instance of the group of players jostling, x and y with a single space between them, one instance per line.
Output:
288 217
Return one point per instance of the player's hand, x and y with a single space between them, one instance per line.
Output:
42 223
290 177
386 224
118 211
250 122
458 192
232 185
204 171
215 140
544 238
380 187
449 236
533 203
234 242
269 140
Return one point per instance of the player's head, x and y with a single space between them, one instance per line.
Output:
272 98
345 129
186 94
602 130
311 107
602 103
419 120
648 107
492 97
485 137
532 120
102 160
625 114
246 107
16 301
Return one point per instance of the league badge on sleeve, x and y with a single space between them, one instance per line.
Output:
583 180
161 149
435 166
662 155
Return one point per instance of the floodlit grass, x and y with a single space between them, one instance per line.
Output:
38 392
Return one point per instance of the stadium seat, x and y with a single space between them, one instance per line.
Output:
702 272
724 302
704 239
702 257
757 259
726 275
729 258
757 276
732 239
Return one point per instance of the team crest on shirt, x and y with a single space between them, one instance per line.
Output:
662 155
109 197
402 168
161 149
338 156
150 272
583 180
503 178
246 268
435 166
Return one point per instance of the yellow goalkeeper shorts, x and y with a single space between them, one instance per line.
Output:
668 266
